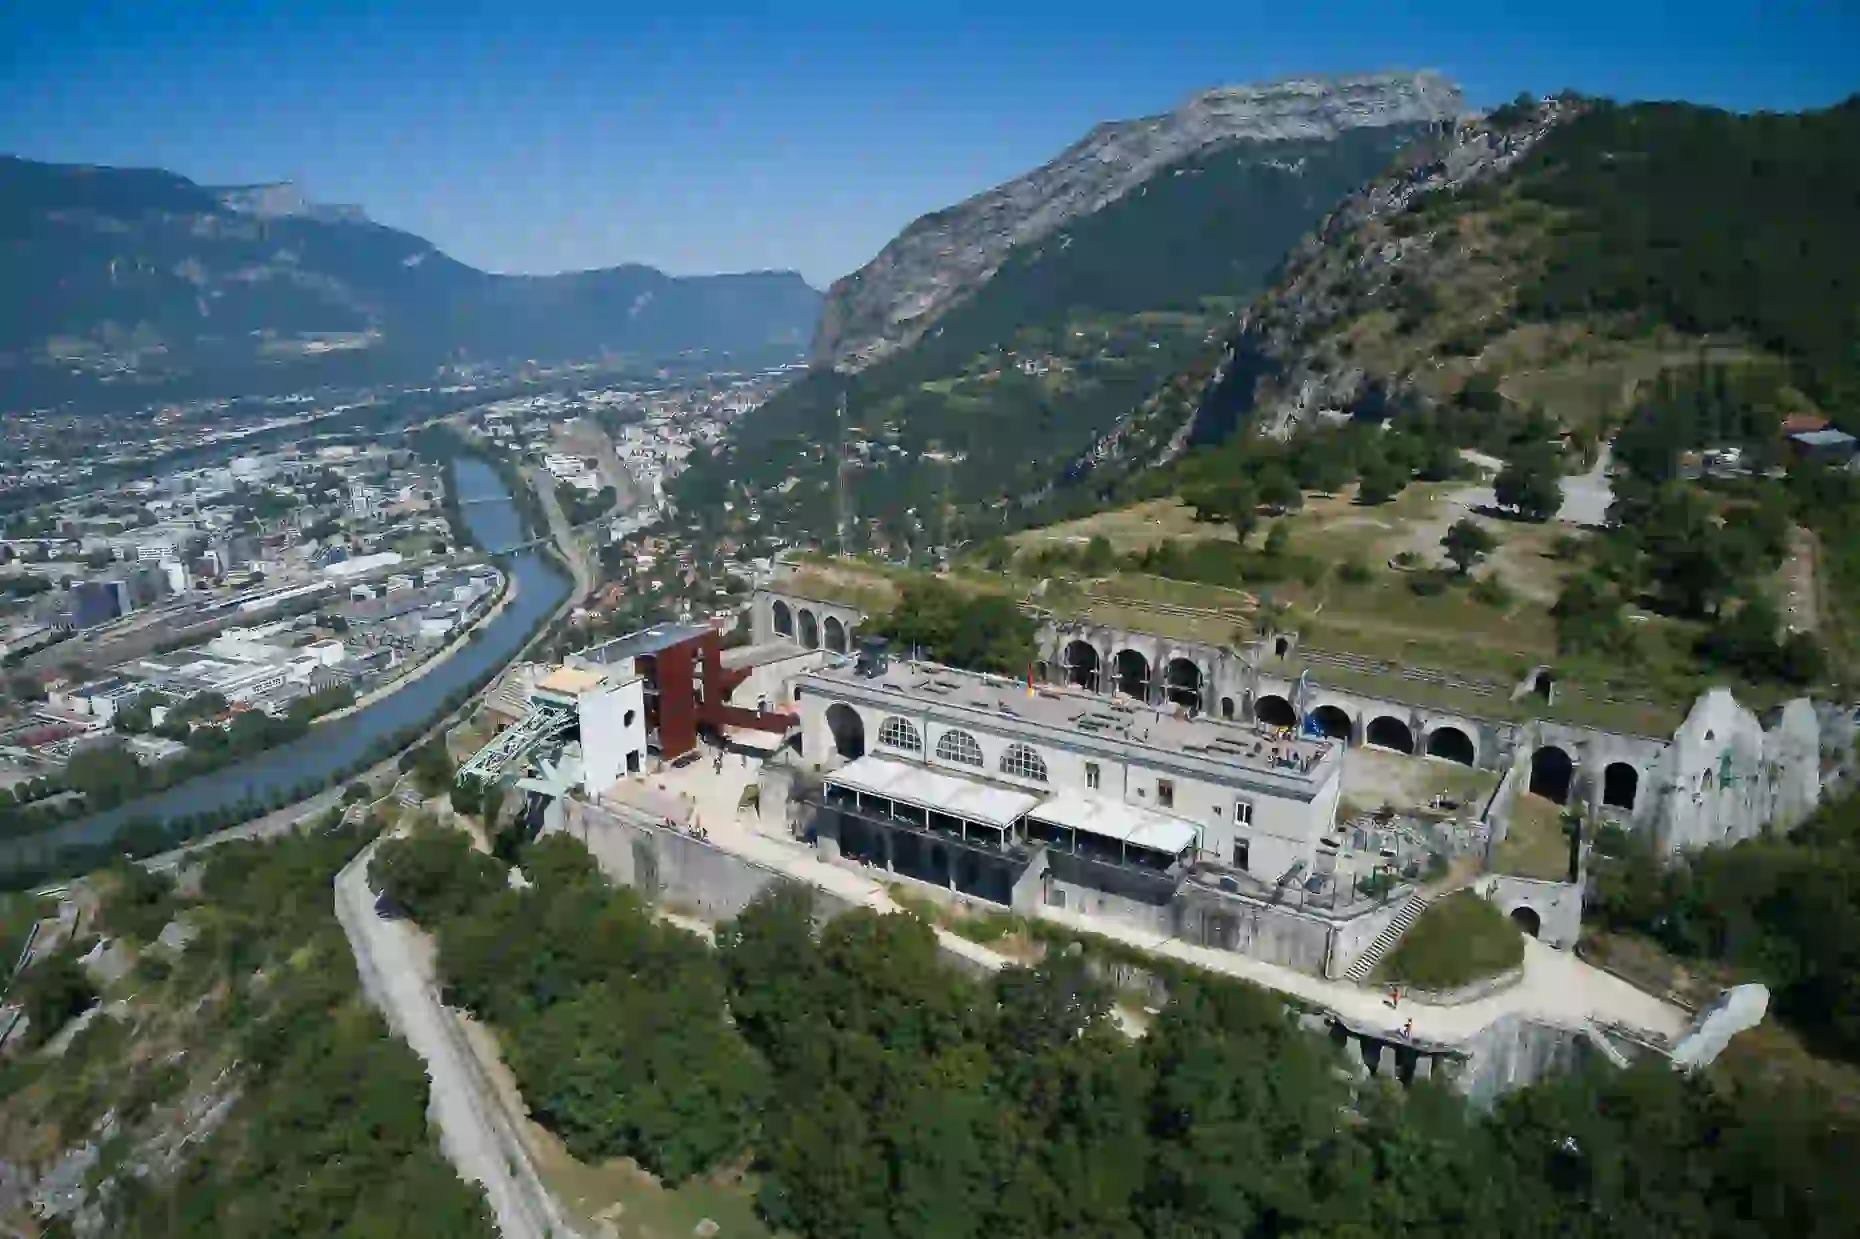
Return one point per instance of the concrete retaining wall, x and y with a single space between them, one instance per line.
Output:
1558 905
690 875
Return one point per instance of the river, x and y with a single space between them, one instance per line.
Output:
337 745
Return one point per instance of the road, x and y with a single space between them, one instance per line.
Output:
477 1134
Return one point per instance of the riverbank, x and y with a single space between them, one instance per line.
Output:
507 593
538 593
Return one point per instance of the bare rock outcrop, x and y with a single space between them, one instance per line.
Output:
944 257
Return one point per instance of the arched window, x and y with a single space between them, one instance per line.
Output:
1021 762
783 618
959 746
897 733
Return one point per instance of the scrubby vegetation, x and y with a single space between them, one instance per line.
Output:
1783 910
1458 940
326 1130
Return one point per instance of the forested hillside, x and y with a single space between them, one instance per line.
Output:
1072 335
876 1093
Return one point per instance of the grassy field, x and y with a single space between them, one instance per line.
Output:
637 1206
1459 940
1535 845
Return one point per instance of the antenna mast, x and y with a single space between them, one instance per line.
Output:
839 478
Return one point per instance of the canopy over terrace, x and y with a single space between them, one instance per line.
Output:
922 797
1110 830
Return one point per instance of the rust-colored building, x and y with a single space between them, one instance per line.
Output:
687 688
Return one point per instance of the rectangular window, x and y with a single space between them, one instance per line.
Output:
1243 812
1165 793
1240 857
1091 775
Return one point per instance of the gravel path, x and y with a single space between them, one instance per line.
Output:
476 1133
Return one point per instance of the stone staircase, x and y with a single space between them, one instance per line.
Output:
1405 917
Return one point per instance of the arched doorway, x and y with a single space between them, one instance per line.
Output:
1620 785
1227 707
1042 672
835 634
1275 711
1389 732
1451 744
1527 920
1330 721
810 630
848 730
782 618
1544 685
1182 683
1551 772
1132 674
1081 665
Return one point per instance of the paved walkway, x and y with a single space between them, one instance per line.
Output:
477 1135
1556 986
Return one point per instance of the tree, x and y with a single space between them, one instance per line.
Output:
1278 539
1466 542
53 991
1278 490
433 874
1529 484
1382 480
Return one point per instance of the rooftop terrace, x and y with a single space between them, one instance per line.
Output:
1272 752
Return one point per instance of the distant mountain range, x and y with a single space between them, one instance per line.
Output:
134 275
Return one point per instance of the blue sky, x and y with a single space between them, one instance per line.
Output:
543 136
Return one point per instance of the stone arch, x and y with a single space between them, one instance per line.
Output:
1526 919
782 619
1130 672
1385 731
848 730
834 634
1332 721
1227 707
1182 683
1275 711
1449 743
1620 785
810 630
1552 772
1543 684
1080 663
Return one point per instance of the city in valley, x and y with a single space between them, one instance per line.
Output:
1289 670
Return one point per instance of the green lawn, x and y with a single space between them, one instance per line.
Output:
1535 844
1457 941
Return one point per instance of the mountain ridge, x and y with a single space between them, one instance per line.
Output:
142 273
943 257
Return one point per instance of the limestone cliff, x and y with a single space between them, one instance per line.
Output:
944 257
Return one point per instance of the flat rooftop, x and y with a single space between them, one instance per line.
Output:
1269 751
570 681
646 641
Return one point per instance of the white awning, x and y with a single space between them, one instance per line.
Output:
994 806
1113 819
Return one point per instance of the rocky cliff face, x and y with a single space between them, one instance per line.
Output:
942 258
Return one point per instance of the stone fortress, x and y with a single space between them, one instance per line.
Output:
1720 777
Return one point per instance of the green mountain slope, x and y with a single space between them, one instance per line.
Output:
1071 337
112 272
1568 253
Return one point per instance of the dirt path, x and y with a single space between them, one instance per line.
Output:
477 1133
1801 605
